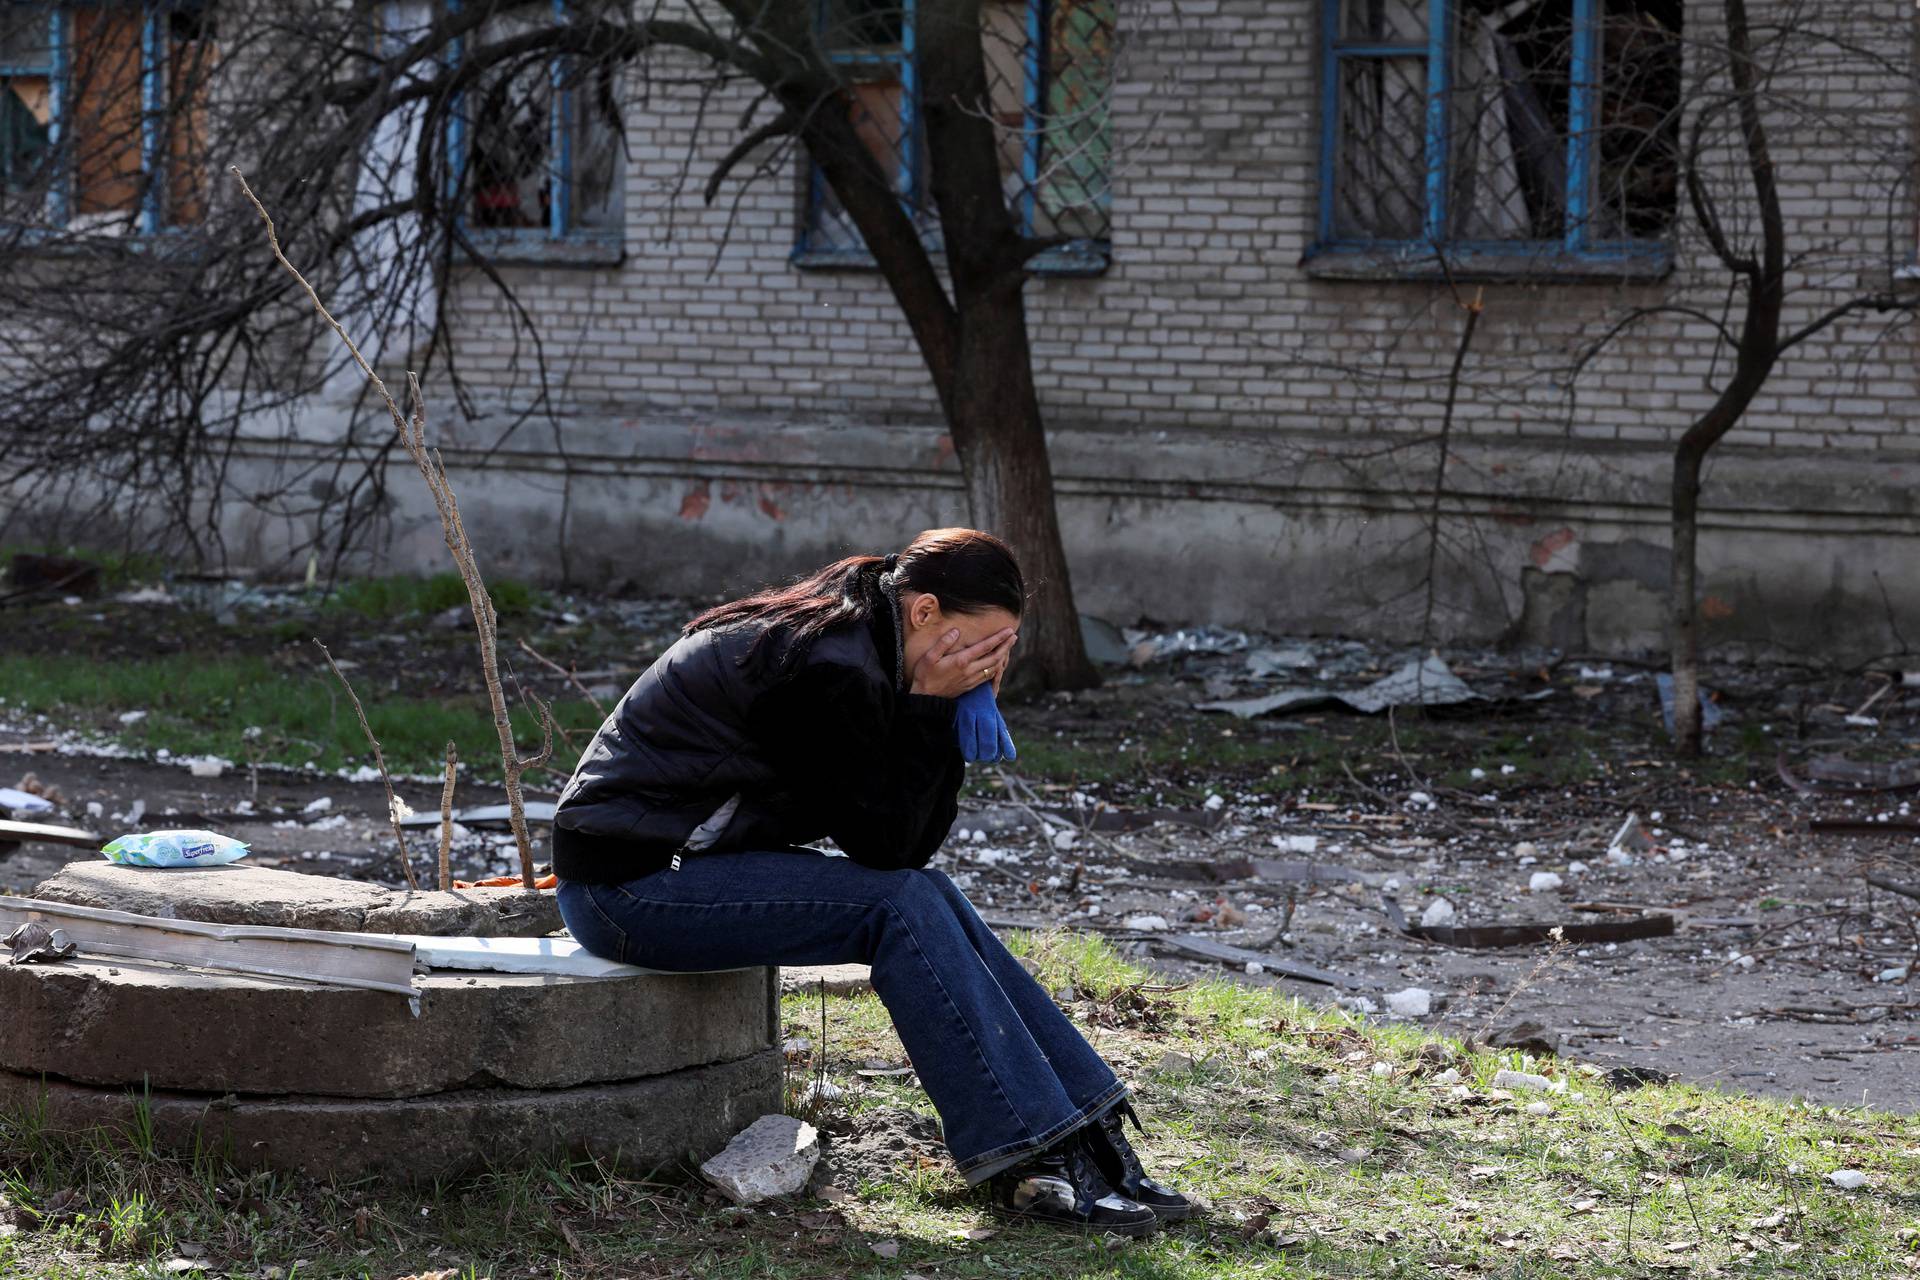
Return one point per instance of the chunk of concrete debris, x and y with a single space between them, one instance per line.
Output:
819 1091
1543 882
1147 923
1411 1002
1847 1179
1174 1061
1539 1108
1438 912
1527 1036
773 1156
1506 1078
1630 839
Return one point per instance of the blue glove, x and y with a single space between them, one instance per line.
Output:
983 734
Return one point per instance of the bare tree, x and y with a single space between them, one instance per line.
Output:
147 348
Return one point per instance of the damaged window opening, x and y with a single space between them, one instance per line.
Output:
1050 74
103 114
1511 136
537 151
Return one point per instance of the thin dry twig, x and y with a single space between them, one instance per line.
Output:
411 428
446 818
566 673
379 762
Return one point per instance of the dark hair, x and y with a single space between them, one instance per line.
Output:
965 570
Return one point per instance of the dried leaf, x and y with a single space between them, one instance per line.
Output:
886 1248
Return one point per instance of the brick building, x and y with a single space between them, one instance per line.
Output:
1244 358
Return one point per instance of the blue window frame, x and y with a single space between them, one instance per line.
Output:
1471 136
102 113
535 158
1049 76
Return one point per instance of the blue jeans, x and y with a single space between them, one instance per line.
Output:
1007 1071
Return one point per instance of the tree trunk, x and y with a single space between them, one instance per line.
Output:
1683 634
1002 443
992 406
1757 352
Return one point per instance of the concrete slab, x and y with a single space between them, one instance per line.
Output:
243 894
114 1022
841 979
638 1125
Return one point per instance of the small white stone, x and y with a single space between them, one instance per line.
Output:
1439 912
1619 858
1476 774
1255 968
1450 1076
1509 1079
321 805
1891 975
1526 849
1146 923
132 717
1212 803
1847 1179
1381 1070
207 768
1544 882
1064 839
1576 868
1539 1108
979 836
1410 1002
1420 800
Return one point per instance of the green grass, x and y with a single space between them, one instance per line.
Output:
1311 1163
247 708
1312 1166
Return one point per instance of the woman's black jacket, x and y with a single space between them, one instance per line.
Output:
823 745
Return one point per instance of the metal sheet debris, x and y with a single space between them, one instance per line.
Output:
307 955
1521 935
492 817
1426 683
1207 949
31 832
1836 775
33 942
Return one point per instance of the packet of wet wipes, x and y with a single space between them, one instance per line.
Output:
175 849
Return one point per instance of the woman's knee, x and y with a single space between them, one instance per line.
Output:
921 893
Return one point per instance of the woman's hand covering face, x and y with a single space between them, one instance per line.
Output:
948 669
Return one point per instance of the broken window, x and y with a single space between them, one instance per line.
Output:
539 145
103 112
26 102
1500 124
1049 75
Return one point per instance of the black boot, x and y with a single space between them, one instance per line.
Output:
1062 1186
1121 1167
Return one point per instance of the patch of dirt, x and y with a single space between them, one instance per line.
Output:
875 1145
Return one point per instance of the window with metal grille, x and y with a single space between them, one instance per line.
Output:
1499 136
1050 79
535 151
103 112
